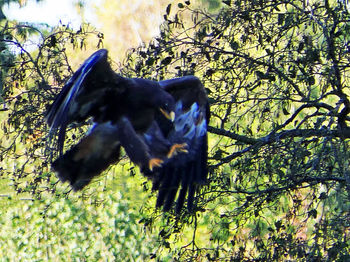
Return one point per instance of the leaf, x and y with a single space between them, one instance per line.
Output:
323 195
280 19
234 45
278 225
150 61
217 55
53 41
285 111
180 5
168 9
260 74
312 213
167 60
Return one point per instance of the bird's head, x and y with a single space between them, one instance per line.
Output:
167 106
148 92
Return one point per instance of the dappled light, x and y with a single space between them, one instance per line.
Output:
276 74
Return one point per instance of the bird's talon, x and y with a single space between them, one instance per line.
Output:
177 148
154 162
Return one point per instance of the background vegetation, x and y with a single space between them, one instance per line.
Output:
277 75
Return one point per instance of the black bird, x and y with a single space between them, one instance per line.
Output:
161 125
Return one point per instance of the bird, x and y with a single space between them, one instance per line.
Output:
162 126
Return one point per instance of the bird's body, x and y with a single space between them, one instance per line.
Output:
161 126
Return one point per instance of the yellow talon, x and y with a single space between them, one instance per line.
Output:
154 162
177 148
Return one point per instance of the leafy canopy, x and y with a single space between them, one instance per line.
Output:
277 75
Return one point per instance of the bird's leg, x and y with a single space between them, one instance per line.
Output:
154 162
177 148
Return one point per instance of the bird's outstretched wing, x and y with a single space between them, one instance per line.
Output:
186 167
93 154
85 94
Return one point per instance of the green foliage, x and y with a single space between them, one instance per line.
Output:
277 76
213 5
58 229
31 82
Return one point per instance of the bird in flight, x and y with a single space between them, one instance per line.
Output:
162 126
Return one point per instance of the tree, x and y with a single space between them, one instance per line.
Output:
6 58
277 74
31 81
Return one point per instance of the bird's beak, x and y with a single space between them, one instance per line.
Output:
170 116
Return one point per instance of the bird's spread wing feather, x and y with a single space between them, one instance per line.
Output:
84 94
59 110
181 174
93 154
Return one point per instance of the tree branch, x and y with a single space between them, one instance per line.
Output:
274 137
223 132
